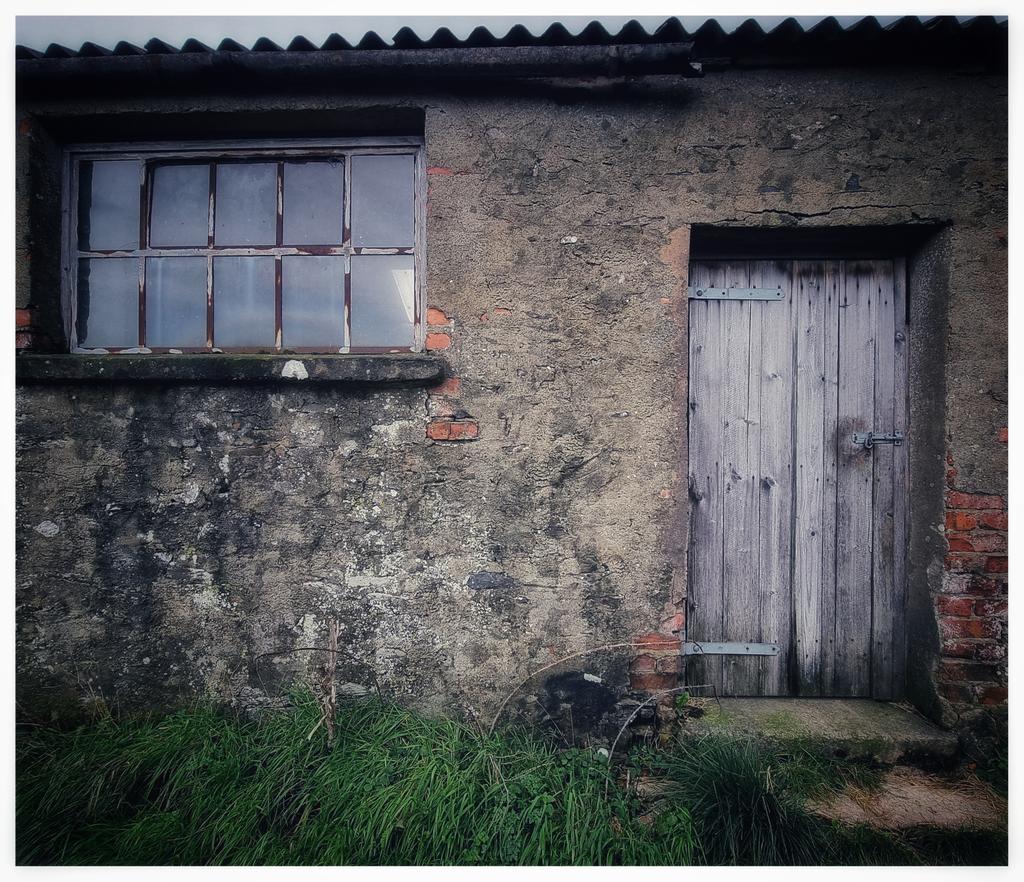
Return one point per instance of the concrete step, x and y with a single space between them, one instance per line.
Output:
850 728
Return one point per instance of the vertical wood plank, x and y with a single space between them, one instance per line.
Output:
809 282
900 485
833 296
704 592
775 492
883 511
857 327
739 379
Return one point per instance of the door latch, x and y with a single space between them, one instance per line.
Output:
869 439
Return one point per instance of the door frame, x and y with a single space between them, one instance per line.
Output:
926 250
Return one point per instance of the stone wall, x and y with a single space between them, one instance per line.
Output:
182 540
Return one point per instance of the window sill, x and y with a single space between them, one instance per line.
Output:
417 369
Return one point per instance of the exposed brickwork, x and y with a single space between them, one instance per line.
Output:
438 341
453 430
972 608
27 334
437 318
657 664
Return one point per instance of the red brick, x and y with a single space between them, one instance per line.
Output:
996 608
957 499
439 430
989 542
960 520
997 565
960 648
993 695
439 170
676 623
1004 435
465 430
656 641
955 606
989 650
450 386
653 682
958 543
436 316
438 341
960 671
956 627
965 583
956 693
23 339
951 478
964 563
23 318
994 520
501 310
643 664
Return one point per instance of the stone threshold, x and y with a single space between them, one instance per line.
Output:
417 369
854 728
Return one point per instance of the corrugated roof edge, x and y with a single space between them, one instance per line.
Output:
710 40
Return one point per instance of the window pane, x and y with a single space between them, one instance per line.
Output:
246 207
176 301
243 301
108 205
382 201
313 205
181 205
383 300
108 302
313 302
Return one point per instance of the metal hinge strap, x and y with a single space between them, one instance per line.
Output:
695 648
702 293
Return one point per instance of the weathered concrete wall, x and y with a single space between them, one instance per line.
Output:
168 537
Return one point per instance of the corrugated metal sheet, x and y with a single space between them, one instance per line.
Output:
936 37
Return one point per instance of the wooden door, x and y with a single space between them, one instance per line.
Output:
797 533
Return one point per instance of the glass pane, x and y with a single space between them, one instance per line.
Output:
382 201
313 302
313 205
383 300
246 207
108 302
181 205
176 301
243 301
108 205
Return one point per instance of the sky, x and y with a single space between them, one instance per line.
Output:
38 31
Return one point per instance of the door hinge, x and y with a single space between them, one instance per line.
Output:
701 648
702 293
869 439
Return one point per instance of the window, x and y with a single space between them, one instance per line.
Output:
273 247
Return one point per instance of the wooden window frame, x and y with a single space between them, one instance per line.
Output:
281 151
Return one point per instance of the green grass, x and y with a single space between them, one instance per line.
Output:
395 788
204 787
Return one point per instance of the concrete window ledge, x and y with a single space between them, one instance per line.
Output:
418 369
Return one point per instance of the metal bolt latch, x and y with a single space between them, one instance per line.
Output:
869 439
